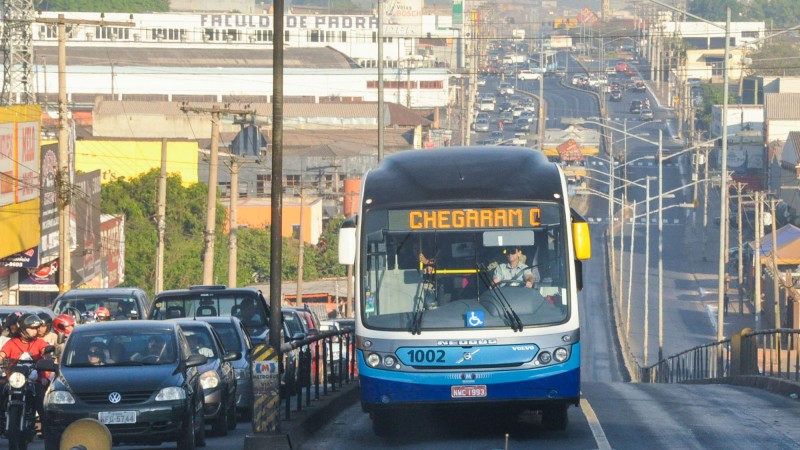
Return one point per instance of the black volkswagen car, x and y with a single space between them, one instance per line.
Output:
139 378
217 376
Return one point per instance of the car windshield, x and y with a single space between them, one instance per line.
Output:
120 307
229 337
200 341
90 348
424 280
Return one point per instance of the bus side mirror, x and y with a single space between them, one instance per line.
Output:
582 240
347 243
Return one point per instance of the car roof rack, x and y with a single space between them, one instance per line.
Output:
198 287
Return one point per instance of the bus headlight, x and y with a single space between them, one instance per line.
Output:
561 354
545 357
373 360
389 361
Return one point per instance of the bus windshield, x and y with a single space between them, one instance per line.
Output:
463 268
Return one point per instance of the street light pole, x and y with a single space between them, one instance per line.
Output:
660 246
646 268
723 203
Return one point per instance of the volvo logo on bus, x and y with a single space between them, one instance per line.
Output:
463 342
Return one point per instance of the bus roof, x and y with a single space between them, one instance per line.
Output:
456 174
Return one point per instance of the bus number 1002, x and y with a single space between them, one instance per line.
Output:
426 356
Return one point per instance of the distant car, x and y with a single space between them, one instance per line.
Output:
621 66
496 137
481 81
507 117
522 125
141 401
124 303
636 107
236 339
481 125
336 355
41 311
527 115
615 95
528 75
504 106
217 377
646 114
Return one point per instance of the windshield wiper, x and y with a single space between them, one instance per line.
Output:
419 304
511 315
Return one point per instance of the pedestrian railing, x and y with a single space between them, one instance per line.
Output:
321 362
768 353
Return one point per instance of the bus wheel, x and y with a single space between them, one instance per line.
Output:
381 423
555 418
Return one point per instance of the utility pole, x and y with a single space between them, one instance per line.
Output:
213 164
299 297
64 175
160 220
757 288
776 274
234 226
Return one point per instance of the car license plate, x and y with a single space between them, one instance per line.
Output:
468 391
116 417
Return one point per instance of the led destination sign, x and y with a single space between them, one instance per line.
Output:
464 219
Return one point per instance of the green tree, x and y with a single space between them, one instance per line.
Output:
715 10
136 199
776 58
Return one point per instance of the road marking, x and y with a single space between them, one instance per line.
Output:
594 425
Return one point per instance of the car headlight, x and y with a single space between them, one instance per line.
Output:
170 393
17 380
59 398
209 380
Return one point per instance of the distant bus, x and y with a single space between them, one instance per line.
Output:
433 329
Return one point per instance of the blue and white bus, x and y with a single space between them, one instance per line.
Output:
433 325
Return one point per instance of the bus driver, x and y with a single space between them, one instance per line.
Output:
515 272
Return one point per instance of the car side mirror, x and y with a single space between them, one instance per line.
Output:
232 356
298 336
196 360
46 365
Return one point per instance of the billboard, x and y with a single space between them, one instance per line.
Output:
19 178
48 244
112 249
402 18
86 209
458 13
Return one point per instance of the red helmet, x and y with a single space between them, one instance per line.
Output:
63 321
102 314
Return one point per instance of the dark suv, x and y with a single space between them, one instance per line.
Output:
247 304
636 107
124 303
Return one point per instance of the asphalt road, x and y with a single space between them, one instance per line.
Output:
615 413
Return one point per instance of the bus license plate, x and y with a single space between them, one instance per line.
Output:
468 391
116 417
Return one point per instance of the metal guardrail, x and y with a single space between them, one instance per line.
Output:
312 374
769 353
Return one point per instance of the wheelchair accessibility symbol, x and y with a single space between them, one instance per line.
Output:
475 319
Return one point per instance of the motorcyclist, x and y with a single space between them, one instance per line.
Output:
46 330
102 314
27 345
63 326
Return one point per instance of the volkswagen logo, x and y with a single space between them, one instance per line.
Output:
468 356
114 397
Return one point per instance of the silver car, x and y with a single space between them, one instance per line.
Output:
646 114
236 339
481 125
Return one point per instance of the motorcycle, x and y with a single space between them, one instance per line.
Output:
19 398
